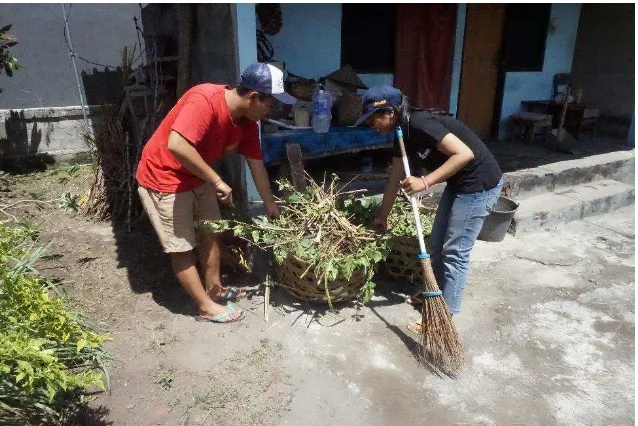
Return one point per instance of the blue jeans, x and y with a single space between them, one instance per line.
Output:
457 223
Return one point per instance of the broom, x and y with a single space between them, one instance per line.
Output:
440 345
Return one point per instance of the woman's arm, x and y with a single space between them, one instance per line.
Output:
459 156
390 193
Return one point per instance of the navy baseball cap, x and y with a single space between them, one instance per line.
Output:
377 98
265 78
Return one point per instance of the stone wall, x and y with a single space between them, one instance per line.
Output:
44 135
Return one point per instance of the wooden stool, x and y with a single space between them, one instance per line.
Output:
529 121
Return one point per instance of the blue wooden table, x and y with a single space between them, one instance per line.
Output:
338 140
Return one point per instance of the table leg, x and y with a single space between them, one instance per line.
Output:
295 159
529 133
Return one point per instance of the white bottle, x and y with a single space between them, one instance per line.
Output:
321 115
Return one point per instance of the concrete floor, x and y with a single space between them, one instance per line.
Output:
548 325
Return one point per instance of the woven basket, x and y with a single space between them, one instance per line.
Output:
402 262
307 288
349 109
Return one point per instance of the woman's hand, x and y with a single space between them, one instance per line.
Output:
380 224
413 185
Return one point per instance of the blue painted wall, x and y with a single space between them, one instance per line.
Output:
247 52
310 39
246 30
310 44
520 86
371 80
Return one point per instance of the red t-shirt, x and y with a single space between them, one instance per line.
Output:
202 117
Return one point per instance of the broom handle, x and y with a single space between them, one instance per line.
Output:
563 111
415 208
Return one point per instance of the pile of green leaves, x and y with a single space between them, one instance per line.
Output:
47 355
400 221
316 226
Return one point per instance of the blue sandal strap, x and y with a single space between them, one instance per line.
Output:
220 318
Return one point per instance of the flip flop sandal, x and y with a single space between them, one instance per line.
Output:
232 295
222 318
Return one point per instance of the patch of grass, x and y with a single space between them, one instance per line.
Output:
244 380
67 171
37 195
256 355
70 202
165 379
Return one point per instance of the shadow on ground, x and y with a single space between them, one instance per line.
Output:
149 268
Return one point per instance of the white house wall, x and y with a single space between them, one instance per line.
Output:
523 86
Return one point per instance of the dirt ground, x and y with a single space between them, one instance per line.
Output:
548 324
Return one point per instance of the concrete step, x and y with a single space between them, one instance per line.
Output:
619 166
548 210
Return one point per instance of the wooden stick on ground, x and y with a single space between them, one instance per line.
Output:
267 293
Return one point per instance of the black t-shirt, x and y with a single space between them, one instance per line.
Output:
427 130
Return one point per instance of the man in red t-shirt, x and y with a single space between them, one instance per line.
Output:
177 185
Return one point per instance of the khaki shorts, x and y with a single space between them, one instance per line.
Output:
173 215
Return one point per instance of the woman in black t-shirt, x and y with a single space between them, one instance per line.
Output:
451 153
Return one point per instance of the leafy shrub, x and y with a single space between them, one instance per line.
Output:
48 356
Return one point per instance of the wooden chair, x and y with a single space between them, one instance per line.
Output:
527 123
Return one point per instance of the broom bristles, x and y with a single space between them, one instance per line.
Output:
441 345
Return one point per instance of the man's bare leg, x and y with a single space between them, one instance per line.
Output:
186 272
210 260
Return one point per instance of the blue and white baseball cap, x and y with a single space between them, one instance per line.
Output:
265 78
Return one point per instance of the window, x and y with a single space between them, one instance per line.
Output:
526 28
367 37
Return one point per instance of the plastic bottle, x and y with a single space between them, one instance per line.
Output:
321 115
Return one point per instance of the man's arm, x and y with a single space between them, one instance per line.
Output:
262 182
188 156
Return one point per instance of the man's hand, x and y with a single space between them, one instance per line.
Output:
412 185
224 193
380 224
272 211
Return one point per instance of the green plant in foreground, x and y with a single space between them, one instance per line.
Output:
47 354
8 63
401 219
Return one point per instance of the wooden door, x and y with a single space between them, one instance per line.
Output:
481 66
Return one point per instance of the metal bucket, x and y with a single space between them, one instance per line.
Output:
498 221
